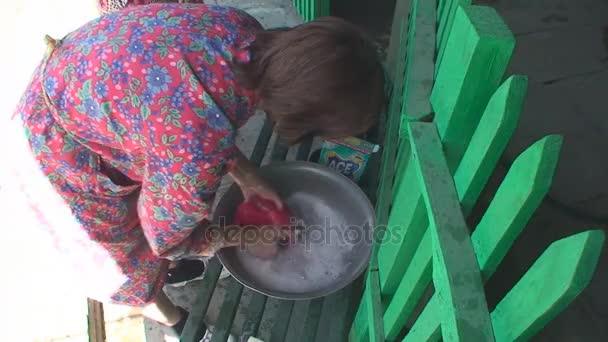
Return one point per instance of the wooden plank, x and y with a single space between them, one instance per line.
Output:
416 279
522 191
253 314
489 140
456 276
400 23
95 321
445 24
281 321
195 327
556 278
374 308
260 146
304 149
477 55
311 323
335 307
228 309
279 150
406 225
420 69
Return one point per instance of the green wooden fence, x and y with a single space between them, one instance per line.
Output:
432 178
312 9
451 114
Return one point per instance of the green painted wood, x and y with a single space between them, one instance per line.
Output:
195 327
406 225
228 310
374 308
281 321
396 44
260 146
456 276
522 191
556 278
304 149
440 8
391 135
359 331
416 279
279 150
489 140
253 312
445 23
476 56
311 322
420 69
334 318
325 7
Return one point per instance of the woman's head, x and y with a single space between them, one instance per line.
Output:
320 78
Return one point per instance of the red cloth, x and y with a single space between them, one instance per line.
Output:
261 212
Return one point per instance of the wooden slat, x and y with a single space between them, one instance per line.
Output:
194 328
412 286
489 140
260 146
420 69
95 320
476 57
445 23
304 149
406 225
522 191
488 143
553 281
311 322
253 313
374 308
279 150
334 326
456 276
400 22
281 321
228 309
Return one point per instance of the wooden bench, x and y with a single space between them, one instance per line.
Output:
451 114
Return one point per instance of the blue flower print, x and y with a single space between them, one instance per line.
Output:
158 79
191 170
50 85
217 120
101 89
147 96
187 221
136 48
82 158
159 180
91 108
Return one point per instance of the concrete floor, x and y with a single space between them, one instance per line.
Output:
562 46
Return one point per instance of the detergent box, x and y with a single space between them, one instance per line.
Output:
349 156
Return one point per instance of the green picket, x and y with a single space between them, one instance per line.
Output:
420 70
523 189
228 310
477 54
556 278
457 280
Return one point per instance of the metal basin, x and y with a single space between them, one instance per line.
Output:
333 248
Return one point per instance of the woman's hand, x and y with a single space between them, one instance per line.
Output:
251 184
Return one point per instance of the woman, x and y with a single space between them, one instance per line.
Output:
132 118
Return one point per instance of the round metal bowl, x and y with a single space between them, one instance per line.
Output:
333 247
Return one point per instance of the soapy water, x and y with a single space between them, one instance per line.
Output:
321 256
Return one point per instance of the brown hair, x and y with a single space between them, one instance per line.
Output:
322 78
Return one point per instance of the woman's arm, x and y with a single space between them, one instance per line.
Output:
245 175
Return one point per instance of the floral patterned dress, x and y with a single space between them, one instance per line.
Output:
132 118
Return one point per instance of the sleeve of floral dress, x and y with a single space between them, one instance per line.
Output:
185 167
